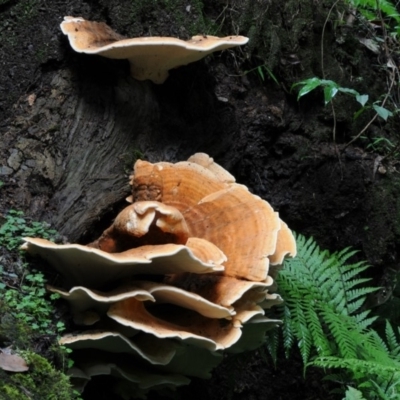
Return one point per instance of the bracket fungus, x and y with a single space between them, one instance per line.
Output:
186 270
149 57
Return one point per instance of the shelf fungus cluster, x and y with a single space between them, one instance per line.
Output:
183 273
149 57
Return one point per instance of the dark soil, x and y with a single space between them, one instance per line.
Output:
55 104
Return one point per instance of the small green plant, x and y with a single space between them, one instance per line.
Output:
262 70
30 302
23 289
331 89
16 227
28 317
381 144
378 13
324 314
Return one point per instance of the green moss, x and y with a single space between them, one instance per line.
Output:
256 23
25 10
12 330
130 157
284 36
12 393
20 14
42 381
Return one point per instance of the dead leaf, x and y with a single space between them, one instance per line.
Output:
31 99
12 362
370 44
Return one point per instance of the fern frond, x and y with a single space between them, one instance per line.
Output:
323 313
374 349
363 367
339 301
308 260
308 247
355 306
290 283
350 284
356 298
382 392
391 339
319 337
345 254
362 321
319 289
324 276
350 271
272 343
353 294
340 332
287 330
302 332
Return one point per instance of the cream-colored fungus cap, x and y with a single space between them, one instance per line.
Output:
150 57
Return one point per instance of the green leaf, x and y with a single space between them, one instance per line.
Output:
308 86
349 91
382 112
362 99
329 93
273 77
260 72
60 326
353 394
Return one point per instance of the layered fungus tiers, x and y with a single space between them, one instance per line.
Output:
183 273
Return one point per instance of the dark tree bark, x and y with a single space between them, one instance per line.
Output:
77 145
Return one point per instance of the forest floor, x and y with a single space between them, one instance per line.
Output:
281 149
